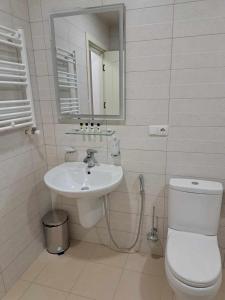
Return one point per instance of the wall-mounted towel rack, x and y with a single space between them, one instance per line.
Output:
67 82
15 113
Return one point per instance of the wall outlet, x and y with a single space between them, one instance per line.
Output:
158 130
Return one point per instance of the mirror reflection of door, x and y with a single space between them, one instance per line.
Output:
96 67
104 69
111 82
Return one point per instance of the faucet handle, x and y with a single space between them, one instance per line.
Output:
91 151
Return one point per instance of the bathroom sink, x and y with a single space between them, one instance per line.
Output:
72 179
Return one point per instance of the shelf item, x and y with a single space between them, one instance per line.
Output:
108 132
15 113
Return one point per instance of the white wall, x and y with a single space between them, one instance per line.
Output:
23 197
175 75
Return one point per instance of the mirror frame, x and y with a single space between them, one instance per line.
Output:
120 8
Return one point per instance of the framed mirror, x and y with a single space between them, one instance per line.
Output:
88 59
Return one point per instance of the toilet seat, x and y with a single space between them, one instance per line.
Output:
194 259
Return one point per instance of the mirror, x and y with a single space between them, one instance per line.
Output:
88 60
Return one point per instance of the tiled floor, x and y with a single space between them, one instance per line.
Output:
94 272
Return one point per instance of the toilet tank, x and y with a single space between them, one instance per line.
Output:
194 205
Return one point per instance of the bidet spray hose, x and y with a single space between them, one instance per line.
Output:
127 249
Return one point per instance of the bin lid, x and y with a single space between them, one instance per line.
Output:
55 217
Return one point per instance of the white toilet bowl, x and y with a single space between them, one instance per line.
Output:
193 265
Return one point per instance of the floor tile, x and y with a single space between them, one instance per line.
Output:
221 293
145 264
75 297
38 292
17 290
104 255
80 250
98 281
61 273
136 286
219 296
37 266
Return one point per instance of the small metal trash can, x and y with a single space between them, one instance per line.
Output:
56 231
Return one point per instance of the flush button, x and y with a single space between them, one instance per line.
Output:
195 183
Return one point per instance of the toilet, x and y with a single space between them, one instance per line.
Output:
192 259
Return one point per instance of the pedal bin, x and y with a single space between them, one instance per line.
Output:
56 231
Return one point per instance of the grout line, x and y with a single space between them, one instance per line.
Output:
177 68
49 287
168 116
187 1
117 286
152 6
26 289
79 276
199 35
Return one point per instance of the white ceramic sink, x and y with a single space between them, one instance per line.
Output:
71 179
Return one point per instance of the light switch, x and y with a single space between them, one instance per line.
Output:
158 130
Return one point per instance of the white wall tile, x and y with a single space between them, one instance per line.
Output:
146 63
199 27
35 10
197 112
5 6
143 161
145 112
148 85
133 4
198 76
17 243
19 9
197 139
49 6
46 111
198 52
197 83
137 137
200 165
140 17
148 48
149 32
131 203
199 10
13 196
41 62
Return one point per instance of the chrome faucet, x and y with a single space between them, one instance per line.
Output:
90 158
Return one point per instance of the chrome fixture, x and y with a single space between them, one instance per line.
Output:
90 158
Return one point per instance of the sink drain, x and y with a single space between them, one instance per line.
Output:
84 188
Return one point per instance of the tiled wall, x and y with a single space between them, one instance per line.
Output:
175 75
23 197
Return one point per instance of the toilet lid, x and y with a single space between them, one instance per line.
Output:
193 258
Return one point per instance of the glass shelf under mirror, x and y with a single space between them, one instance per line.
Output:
99 133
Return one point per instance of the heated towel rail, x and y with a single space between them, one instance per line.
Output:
15 113
67 82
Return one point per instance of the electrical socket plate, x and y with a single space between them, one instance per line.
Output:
158 130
